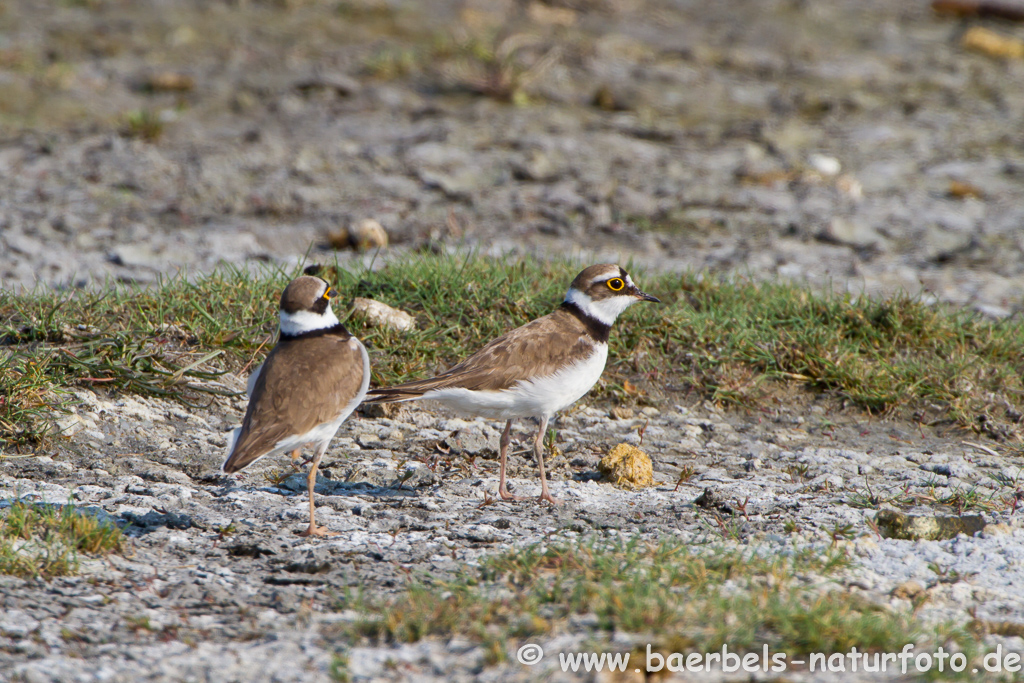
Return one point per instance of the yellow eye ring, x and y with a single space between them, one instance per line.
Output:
616 284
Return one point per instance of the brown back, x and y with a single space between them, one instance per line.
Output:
540 347
305 382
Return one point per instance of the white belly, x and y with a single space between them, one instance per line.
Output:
541 396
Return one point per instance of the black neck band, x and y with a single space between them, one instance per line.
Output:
595 328
337 330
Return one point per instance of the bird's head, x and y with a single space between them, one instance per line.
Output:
604 291
306 305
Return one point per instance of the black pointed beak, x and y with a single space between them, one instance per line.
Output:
643 296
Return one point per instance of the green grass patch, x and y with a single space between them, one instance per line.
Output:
734 342
482 63
174 339
686 598
959 499
30 391
143 124
45 540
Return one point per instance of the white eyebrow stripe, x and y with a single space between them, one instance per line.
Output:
598 280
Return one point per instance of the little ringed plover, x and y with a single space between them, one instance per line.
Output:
537 369
311 381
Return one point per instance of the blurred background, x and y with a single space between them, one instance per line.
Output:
866 145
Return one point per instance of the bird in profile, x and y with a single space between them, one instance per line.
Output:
311 381
537 369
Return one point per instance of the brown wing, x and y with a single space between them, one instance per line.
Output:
540 347
303 383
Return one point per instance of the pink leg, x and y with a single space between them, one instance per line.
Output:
313 529
538 450
506 438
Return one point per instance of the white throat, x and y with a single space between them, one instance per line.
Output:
307 321
606 310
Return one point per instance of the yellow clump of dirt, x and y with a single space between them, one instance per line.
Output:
627 466
993 44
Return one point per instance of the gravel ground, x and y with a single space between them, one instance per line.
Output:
853 144
256 604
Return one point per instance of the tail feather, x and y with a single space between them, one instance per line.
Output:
232 440
239 460
410 391
238 457
231 462
391 395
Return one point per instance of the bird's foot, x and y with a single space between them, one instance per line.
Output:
505 495
314 530
299 460
299 466
549 498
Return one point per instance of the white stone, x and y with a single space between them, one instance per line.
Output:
379 314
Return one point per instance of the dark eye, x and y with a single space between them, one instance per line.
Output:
616 284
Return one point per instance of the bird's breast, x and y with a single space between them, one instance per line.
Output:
566 386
